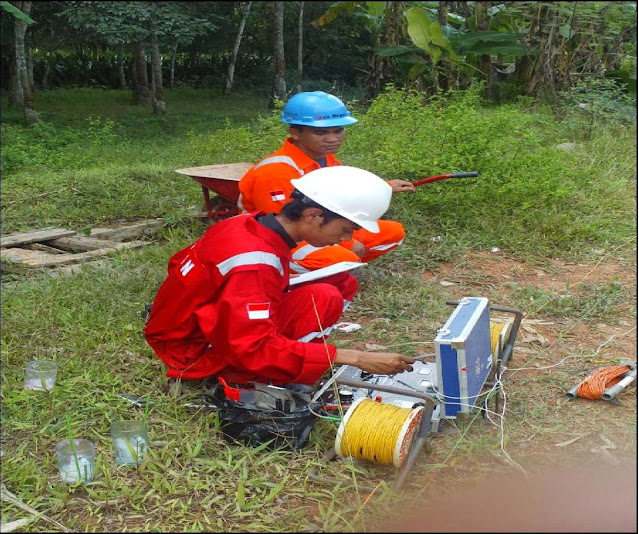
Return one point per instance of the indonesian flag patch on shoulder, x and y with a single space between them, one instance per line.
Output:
277 195
258 311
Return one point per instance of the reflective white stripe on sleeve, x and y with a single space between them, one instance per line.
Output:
315 335
386 247
279 159
250 258
301 253
239 204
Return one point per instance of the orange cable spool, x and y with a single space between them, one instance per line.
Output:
593 386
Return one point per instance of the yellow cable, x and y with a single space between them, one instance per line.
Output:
375 431
495 334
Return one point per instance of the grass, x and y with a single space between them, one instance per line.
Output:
98 160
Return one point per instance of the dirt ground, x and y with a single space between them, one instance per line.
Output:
580 455
492 270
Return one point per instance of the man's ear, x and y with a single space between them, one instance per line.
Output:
311 213
295 131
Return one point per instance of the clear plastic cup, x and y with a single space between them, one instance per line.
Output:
76 465
40 375
130 442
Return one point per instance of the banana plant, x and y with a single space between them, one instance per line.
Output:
16 12
432 42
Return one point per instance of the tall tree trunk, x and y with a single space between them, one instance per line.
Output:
141 80
300 48
381 67
121 74
152 79
47 71
159 105
30 115
15 87
546 60
23 94
228 85
172 67
536 72
19 61
485 63
443 76
29 56
279 80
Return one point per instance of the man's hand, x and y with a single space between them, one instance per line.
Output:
358 248
379 363
401 186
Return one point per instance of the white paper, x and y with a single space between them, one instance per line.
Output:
335 268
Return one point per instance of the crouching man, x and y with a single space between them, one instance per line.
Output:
226 308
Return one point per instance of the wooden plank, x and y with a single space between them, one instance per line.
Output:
224 171
19 254
43 248
81 243
38 259
14 240
128 231
12 259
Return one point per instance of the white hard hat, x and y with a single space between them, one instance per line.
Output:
357 195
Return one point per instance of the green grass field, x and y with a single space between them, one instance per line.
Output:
97 160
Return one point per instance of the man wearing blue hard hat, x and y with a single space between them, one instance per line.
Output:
316 131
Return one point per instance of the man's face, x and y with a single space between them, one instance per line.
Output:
318 142
331 233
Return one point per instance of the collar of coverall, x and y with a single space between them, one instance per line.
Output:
269 221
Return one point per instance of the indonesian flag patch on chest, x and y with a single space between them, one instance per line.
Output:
277 195
258 311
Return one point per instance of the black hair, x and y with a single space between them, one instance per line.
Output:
295 207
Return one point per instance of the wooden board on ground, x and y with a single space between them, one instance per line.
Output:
80 243
128 231
14 240
225 171
51 248
19 258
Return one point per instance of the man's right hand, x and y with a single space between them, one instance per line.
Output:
379 363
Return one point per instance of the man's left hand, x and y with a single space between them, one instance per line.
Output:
358 248
401 186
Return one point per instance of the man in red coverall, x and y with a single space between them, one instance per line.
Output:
316 129
226 308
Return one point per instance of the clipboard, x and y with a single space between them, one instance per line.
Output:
318 274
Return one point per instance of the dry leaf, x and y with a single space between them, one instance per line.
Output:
564 443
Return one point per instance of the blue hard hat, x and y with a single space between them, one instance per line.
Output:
318 109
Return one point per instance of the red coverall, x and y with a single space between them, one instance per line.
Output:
226 309
266 186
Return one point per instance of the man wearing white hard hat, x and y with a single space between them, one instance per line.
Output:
226 308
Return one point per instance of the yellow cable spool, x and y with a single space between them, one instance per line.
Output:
498 334
377 432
